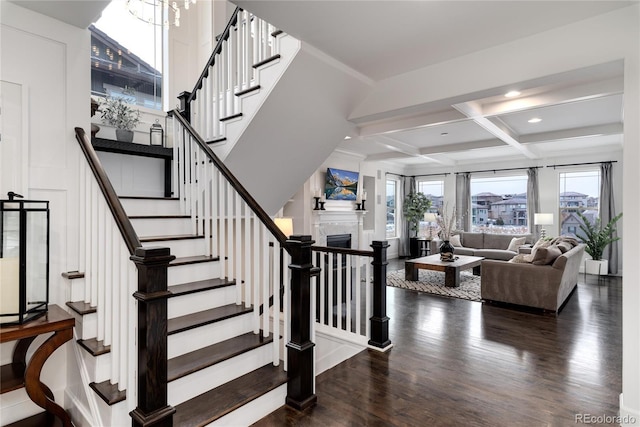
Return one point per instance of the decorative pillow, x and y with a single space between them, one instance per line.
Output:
542 243
565 246
516 242
521 259
455 241
548 255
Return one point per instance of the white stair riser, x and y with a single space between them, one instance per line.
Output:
194 339
200 301
77 287
181 248
202 381
193 272
98 367
86 325
162 226
135 207
255 410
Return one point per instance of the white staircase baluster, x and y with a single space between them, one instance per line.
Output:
101 267
339 288
95 244
357 290
213 239
116 263
322 282
286 281
256 275
276 302
330 268
108 279
237 269
264 279
248 294
230 242
348 285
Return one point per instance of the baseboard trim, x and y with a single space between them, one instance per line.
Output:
80 415
628 416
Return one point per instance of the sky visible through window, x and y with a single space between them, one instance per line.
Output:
130 32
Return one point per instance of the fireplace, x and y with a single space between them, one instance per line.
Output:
339 241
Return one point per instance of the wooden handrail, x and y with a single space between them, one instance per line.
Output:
212 59
248 198
344 251
119 215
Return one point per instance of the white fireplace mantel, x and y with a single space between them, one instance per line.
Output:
338 221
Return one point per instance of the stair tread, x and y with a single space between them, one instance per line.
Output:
73 275
109 392
81 307
202 358
147 239
216 403
159 216
12 375
42 419
201 318
192 260
148 198
200 285
95 347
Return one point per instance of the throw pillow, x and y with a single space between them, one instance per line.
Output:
548 255
542 243
455 241
521 259
564 246
516 242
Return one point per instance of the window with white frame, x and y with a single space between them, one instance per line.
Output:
434 190
126 55
392 208
499 204
579 192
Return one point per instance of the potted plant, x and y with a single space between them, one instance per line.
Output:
597 238
414 207
117 112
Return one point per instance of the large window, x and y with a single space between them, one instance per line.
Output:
434 190
579 192
392 208
499 204
126 55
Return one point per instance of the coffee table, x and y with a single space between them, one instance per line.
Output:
451 269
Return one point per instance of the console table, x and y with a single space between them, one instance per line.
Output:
20 374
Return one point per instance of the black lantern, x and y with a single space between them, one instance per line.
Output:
156 134
24 259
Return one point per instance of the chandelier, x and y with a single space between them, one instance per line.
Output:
158 12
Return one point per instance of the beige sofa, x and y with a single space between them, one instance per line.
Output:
545 287
490 246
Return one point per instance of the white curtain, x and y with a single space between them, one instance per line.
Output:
533 201
407 186
463 200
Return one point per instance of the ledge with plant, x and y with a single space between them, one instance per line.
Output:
119 113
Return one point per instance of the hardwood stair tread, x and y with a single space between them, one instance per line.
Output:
71 275
12 375
94 347
213 141
205 357
199 286
148 239
42 419
231 117
192 260
216 403
206 317
266 61
109 392
81 307
248 90
159 216
148 198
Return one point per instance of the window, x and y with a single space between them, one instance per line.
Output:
434 190
499 205
579 192
392 207
126 56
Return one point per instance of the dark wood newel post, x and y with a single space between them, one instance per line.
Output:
185 106
379 319
300 356
152 294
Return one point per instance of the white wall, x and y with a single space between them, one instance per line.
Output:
49 60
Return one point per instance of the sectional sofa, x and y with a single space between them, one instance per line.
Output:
489 246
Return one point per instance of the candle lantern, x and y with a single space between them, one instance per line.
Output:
156 134
24 259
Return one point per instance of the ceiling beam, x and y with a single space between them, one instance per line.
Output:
583 132
473 110
415 122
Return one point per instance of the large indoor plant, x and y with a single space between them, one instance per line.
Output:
597 238
117 112
414 207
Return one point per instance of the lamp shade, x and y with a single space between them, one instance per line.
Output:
543 219
285 225
430 217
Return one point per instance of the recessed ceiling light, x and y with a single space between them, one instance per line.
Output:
535 120
347 137
444 134
512 93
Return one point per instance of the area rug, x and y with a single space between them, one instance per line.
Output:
432 282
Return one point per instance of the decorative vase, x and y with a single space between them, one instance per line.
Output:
124 135
446 251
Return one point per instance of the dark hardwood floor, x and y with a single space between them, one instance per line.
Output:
462 363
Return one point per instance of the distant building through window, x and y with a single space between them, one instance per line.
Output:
499 205
579 192
126 57
392 205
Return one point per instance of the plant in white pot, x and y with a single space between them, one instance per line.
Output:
597 238
117 112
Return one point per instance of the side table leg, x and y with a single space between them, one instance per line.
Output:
37 391
410 271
